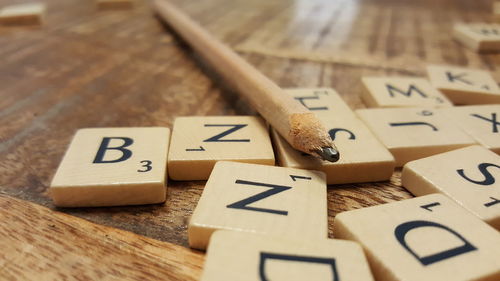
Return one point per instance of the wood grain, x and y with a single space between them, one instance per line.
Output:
86 68
39 244
291 119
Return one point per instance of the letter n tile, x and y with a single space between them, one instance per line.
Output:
260 199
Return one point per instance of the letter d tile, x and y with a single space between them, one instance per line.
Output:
425 238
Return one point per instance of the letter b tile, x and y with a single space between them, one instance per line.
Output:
112 166
238 256
424 238
260 199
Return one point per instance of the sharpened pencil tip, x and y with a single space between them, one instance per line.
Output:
329 154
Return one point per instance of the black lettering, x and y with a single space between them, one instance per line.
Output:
494 202
439 100
425 113
429 206
294 178
321 92
458 77
196 149
412 88
402 229
333 133
483 168
243 204
284 257
301 100
493 121
218 138
99 158
146 165
488 31
486 87
413 124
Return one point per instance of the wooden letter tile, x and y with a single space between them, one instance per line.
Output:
199 142
401 92
480 37
114 4
425 238
470 176
363 157
464 85
23 14
260 199
482 122
413 133
238 256
322 101
112 166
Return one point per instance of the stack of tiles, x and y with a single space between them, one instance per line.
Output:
363 158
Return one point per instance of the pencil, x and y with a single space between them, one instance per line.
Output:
294 122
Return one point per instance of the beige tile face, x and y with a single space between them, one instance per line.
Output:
480 37
482 122
113 166
401 92
464 85
237 256
363 157
260 199
425 238
199 142
322 101
22 14
413 133
470 176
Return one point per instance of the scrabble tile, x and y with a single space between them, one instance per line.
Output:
479 37
234 256
424 238
112 166
482 122
322 101
114 4
199 142
363 157
413 133
464 85
401 92
470 176
23 14
260 199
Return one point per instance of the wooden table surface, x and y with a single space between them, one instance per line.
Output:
88 68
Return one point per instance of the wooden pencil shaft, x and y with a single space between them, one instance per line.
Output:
276 106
